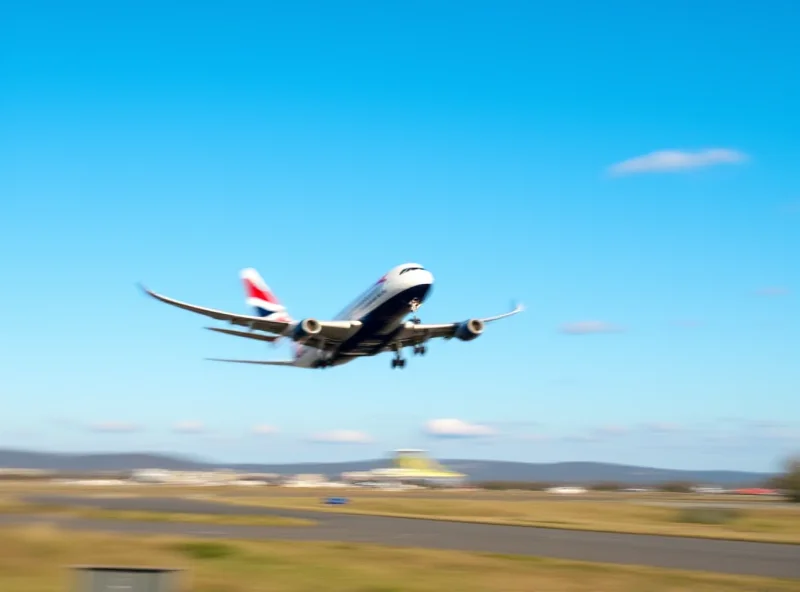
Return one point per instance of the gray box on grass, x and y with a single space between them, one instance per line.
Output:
101 578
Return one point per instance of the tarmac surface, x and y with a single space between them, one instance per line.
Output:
733 557
733 501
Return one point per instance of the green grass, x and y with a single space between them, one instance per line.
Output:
34 559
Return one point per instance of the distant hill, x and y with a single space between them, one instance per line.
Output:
53 461
477 470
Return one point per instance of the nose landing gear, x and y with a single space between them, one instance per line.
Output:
415 304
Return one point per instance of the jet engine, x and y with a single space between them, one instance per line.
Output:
305 329
469 330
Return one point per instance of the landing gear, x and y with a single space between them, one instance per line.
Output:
420 350
325 360
415 304
398 361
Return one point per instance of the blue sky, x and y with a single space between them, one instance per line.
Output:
628 172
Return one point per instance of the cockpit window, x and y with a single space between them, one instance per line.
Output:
410 269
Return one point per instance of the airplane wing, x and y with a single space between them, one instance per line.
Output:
262 362
331 334
413 334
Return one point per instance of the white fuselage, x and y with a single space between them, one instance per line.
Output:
381 311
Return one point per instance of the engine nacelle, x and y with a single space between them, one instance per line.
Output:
469 330
305 329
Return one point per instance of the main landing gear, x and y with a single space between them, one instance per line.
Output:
399 362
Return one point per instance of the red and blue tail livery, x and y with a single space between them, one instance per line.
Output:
259 296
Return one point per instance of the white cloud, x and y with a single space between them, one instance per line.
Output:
534 437
116 427
589 327
773 291
611 430
456 428
662 427
676 160
342 437
597 434
581 438
509 424
265 430
774 430
721 438
190 427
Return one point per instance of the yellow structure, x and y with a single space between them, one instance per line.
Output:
414 464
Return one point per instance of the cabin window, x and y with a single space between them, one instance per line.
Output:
410 269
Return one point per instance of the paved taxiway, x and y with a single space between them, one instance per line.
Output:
734 557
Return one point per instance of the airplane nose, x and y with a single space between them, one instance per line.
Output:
425 276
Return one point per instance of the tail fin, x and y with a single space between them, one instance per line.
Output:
259 296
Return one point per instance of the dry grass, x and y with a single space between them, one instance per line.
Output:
11 507
34 558
763 524
196 518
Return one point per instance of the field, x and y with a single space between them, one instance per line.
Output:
12 506
34 559
609 512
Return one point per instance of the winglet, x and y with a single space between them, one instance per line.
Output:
144 288
516 308
152 294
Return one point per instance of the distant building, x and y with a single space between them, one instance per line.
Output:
566 490
409 465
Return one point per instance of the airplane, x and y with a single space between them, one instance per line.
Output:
372 324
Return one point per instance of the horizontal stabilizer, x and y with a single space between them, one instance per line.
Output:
246 334
262 362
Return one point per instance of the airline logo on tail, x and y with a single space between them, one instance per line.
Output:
261 298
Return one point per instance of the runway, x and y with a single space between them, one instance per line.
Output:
751 504
733 557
